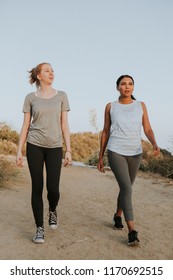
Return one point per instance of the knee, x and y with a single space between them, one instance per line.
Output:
127 190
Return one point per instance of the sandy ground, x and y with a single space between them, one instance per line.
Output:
86 207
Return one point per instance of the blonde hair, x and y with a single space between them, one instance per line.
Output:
34 72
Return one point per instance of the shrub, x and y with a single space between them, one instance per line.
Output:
162 164
8 170
84 145
85 148
7 134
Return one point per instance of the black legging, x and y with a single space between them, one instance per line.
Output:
36 157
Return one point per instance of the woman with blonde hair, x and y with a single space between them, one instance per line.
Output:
44 127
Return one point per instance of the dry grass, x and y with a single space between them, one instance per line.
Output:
8 170
7 134
8 140
162 164
85 148
84 145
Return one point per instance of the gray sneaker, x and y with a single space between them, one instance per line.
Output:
39 236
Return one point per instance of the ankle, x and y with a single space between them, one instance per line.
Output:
38 226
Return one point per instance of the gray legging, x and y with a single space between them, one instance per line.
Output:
125 169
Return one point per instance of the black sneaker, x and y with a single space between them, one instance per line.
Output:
53 223
117 221
133 238
39 236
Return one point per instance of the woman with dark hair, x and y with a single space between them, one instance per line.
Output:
45 124
122 137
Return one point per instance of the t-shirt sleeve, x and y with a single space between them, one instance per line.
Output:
26 105
65 103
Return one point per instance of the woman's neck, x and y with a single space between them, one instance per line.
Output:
124 100
46 92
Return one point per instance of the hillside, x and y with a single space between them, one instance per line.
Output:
85 148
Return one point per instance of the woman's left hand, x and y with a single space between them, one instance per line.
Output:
67 159
156 150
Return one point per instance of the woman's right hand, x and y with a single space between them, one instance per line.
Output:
100 165
19 159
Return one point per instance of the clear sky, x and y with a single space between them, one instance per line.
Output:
89 43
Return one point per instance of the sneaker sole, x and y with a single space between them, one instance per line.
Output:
135 243
118 228
41 241
53 227
113 222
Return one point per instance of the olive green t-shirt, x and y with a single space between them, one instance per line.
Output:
45 127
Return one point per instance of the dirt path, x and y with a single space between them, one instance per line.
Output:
85 211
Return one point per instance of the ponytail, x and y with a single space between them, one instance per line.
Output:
33 77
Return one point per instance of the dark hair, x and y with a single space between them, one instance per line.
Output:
33 74
122 77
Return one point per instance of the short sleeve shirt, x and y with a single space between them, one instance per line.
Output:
45 127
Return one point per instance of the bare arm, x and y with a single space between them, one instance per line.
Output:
104 137
66 135
22 138
148 130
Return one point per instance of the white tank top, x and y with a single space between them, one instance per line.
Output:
126 124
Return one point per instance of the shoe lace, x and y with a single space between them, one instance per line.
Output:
39 232
52 217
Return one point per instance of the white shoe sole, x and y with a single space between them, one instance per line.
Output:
135 243
38 241
113 222
53 227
